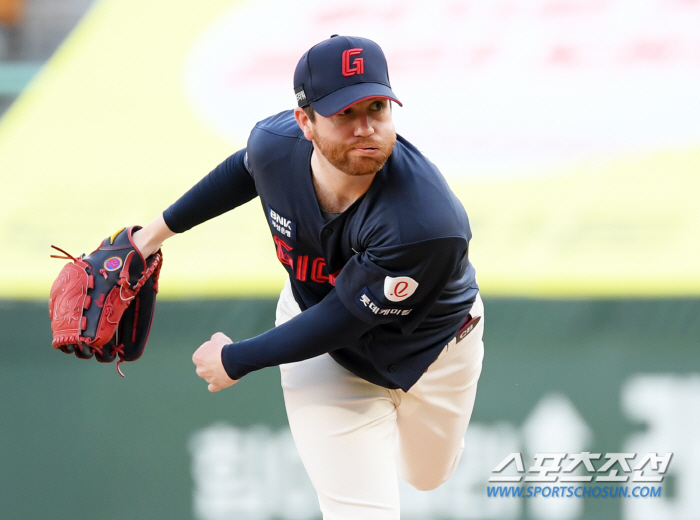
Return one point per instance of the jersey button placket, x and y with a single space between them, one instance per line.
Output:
327 232
392 369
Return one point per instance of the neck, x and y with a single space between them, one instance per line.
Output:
336 190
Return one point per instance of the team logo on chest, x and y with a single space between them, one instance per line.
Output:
399 288
281 224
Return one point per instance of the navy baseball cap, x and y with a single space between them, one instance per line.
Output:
339 72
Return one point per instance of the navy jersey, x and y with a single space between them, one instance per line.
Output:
383 286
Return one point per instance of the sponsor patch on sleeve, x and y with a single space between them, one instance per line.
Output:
399 288
281 224
366 301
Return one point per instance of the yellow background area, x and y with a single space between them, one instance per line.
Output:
103 138
628 226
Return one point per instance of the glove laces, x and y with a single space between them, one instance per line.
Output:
67 256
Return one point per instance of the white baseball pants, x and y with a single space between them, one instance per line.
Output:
354 437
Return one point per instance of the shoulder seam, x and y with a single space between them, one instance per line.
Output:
427 240
267 130
394 212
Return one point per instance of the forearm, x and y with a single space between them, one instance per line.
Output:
151 237
324 327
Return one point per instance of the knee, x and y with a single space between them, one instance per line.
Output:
428 476
426 482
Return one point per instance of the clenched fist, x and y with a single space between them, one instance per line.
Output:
207 359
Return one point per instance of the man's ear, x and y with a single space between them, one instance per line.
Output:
304 123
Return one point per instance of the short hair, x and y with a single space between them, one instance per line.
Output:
310 112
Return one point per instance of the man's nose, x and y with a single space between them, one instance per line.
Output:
364 126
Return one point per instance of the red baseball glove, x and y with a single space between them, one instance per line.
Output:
102 304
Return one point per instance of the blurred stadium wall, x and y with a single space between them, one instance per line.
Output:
569 128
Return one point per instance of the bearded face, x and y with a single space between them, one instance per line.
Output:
361 156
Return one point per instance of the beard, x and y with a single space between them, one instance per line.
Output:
338 154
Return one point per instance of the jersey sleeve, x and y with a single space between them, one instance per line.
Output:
226 187
400 283
326 326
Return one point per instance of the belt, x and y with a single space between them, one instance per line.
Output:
467 327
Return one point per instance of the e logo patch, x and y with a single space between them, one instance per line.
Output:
399 288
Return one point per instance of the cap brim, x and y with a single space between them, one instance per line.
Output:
341 99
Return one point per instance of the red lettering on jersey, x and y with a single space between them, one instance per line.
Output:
317 270
282 246
302 266
332 277
358 65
